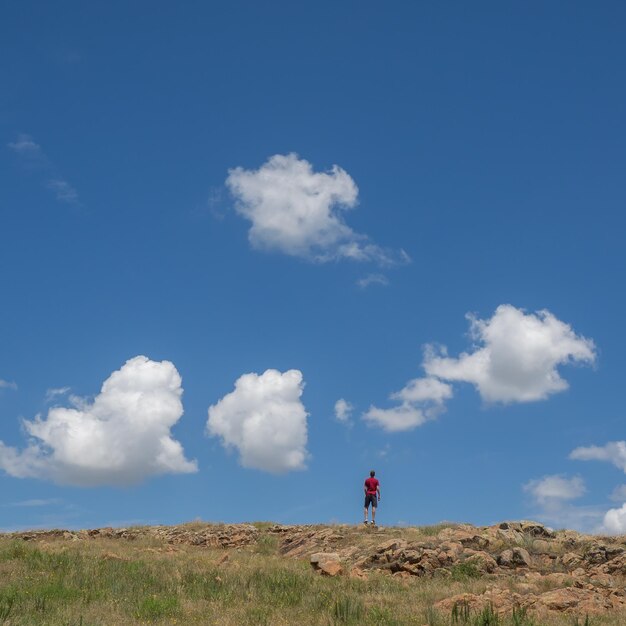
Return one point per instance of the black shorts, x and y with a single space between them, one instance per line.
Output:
371 498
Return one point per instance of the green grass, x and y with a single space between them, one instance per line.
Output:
267 544
154 608
464 570
113 582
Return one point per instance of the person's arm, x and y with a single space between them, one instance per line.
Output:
365 488
378 489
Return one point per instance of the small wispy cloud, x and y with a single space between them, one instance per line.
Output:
372 279
553 495
55 392
343 411
619 494
6 384
555 488
613 452
33 157
421 400
63 191
25 147
35 503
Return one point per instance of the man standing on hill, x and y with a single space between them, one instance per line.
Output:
372 489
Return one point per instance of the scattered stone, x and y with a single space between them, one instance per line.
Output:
327 563
330 568
483 561
515 557
567 572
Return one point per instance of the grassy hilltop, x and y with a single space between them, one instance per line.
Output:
511 574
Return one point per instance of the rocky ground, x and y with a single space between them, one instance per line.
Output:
524 564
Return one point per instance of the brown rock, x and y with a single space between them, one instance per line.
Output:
570 560
327 563
502 600
483 561
558 579
603 580
391 544
330 568
536 530
542 546
412 556
410 568
598 553
320 557
357 572
509 535
516 557
616 565
453 550
574 600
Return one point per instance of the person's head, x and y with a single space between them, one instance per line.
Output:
372 473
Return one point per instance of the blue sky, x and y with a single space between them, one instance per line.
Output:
325 191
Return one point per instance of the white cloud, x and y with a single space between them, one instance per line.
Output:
564 514
265 420
343 410
33 157
63 190
422 399
121 438
56 392
516 356
424 390
615 521
553 495
613 452
619 494
26 148
35 503
372 279
299 212
555 488
5 384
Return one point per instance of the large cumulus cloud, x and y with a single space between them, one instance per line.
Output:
299 212
121 437
516 356
265 420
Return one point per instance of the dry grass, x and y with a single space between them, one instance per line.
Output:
110 582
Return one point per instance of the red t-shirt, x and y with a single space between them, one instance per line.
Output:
371 485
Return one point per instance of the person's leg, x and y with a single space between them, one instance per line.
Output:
366 506
373 514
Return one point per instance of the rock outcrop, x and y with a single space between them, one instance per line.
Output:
525 566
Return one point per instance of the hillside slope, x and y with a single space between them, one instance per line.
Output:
511 573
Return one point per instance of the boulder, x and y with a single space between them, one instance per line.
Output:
327 563
534 529
391 545
483 561
330 568
503 601
515 557
542 546
574 600
571 560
